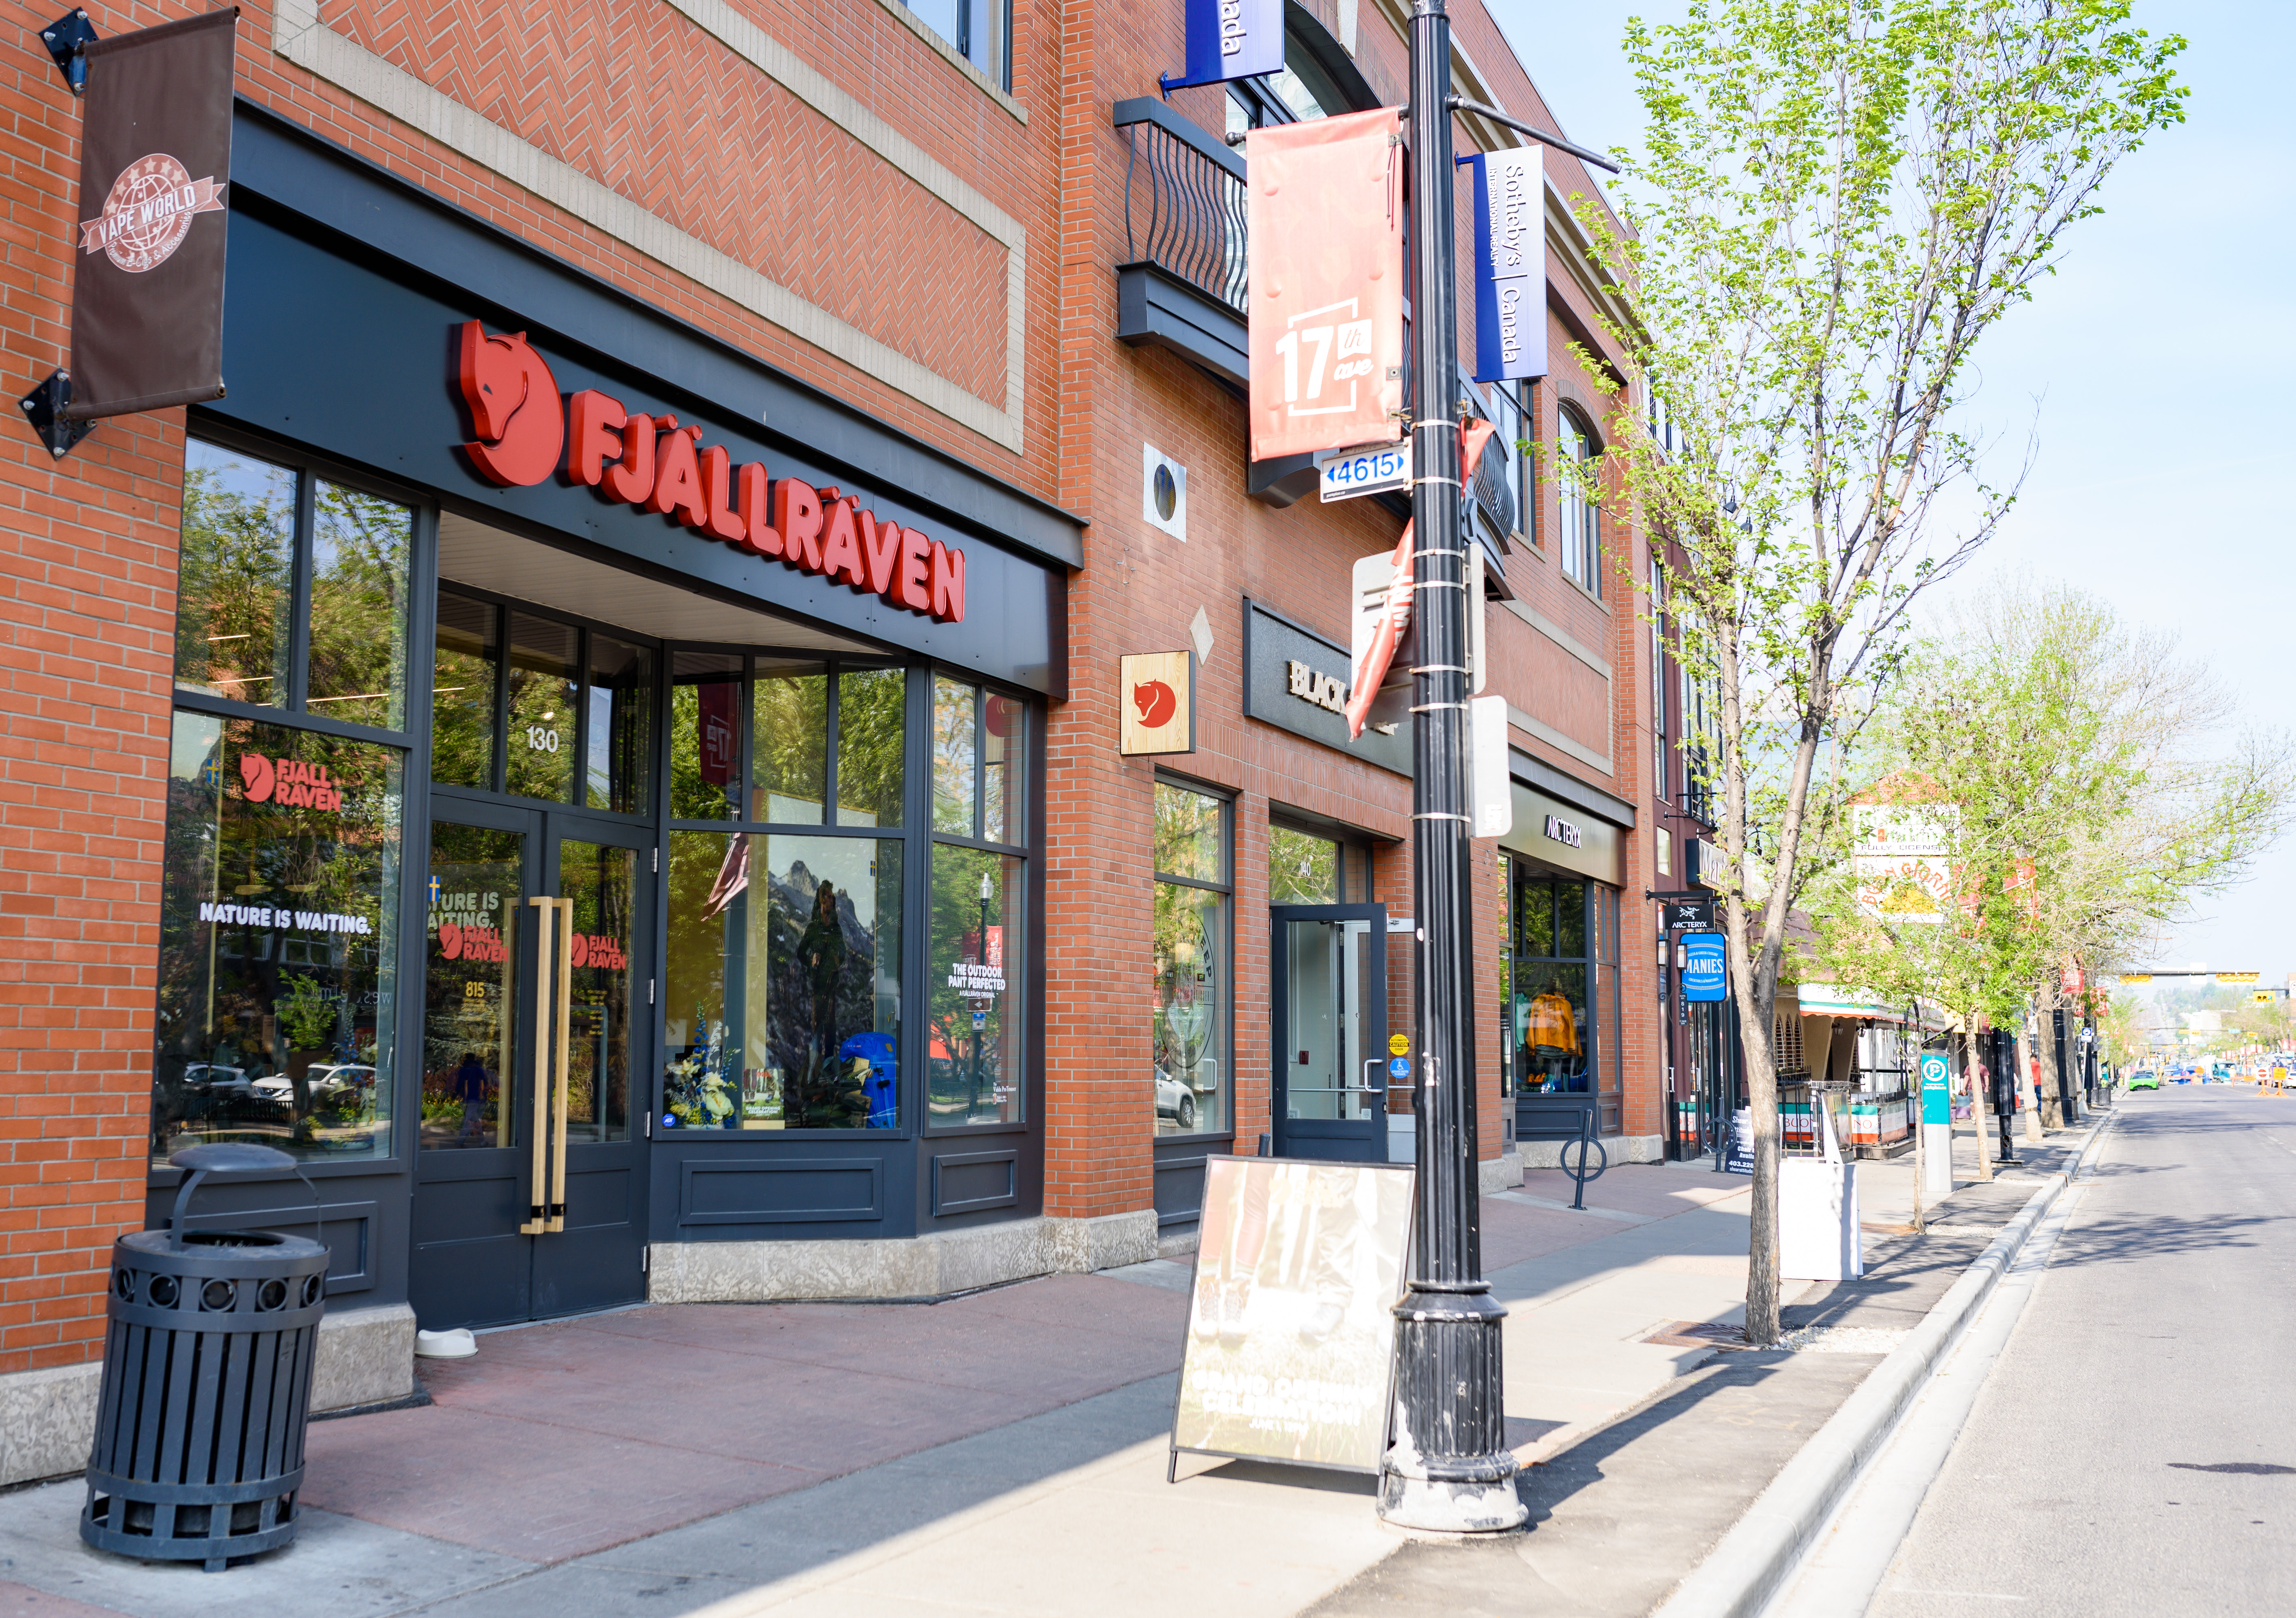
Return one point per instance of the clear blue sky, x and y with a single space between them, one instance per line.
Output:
2157 374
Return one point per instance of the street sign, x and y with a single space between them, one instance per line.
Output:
1343 474
1688 915
1705 970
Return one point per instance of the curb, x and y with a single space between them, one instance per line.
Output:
1764 1549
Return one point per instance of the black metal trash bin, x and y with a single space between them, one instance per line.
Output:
207 1384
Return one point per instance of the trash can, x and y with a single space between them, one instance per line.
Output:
207 1383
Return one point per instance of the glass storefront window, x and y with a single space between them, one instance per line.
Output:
1302 869
705 735
1189 1026
462 691
789 756
361 548
955 755
618 726
782 1003
973 1061
1562 987
872 729
539 754
278 933
470 987
603 883
234 602
1002 720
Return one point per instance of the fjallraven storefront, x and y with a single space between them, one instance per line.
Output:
605 800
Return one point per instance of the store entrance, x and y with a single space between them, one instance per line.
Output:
1329 1001
528 1192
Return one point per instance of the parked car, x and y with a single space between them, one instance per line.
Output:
340 1085
2144 1078
1175 1100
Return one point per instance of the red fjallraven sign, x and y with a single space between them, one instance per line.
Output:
525 432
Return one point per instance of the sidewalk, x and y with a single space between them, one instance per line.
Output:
1005 1451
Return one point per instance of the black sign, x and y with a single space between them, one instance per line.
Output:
1738 1157
1563 831
1688 915
155 163
1296 680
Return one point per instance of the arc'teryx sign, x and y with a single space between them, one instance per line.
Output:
521 426
155 160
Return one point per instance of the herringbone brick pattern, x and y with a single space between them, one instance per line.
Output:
635 96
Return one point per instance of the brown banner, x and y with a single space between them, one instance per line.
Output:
155 165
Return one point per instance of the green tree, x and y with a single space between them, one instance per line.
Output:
1835 202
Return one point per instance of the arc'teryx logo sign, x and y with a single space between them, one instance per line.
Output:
148 212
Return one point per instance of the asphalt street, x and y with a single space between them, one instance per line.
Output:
2134 1450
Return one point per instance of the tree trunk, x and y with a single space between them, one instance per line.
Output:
1980 1100
1762 1108
2045 1009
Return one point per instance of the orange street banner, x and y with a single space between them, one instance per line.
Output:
1325 233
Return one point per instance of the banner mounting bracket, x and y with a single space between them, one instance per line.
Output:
44 408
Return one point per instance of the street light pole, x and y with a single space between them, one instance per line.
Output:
1449 1469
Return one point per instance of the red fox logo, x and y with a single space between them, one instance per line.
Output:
514 408
1156 702
255 772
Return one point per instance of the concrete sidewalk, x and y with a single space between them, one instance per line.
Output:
999 1452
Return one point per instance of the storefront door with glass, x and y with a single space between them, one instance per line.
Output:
1330 1003
527 1199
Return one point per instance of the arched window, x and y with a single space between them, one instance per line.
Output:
1580 528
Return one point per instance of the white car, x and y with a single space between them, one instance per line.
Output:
1175 1100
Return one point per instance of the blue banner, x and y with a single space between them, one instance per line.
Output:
1705 969
1231 39
1510 265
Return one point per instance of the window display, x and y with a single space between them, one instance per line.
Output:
470 986
1561 986
975 1072
1189 1019
782 1002
278 926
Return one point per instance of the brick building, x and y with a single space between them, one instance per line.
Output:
343 755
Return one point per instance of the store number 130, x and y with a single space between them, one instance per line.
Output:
541 738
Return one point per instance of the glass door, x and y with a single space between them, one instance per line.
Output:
527 1199
1329 1002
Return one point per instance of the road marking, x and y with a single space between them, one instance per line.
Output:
1972 1595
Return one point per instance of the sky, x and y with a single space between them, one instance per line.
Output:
2151 375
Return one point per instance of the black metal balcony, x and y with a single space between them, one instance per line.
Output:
1182 283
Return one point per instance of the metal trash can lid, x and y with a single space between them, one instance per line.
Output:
230 1157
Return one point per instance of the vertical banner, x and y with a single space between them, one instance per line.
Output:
155 162
1510 265
1231 39
1325 228
1291 1343
1705 967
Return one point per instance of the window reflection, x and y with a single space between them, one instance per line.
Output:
956 752
1302 869
705 735
789 756
1188 1028
235 591
602 882
619 726
539 751
462 691
872 729
360 546
977 946
1002 720
278 928
784 1000
469 985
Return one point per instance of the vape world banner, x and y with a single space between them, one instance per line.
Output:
155 164
1290 1345
1324 232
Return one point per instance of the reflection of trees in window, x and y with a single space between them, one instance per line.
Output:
274 1018
789 760
236 590
872 726
359 550
1302 869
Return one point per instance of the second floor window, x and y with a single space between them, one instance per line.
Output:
1579 530
977 29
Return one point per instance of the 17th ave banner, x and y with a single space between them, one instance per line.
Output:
1325 228
155 163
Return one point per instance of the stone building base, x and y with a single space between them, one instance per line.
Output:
929 1265
47 1417
1616 1149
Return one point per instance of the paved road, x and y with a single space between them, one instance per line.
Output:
2134 1449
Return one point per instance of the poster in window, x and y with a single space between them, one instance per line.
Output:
1291 1342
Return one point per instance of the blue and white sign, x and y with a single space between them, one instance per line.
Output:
1231 39
1705 970
1398 1067
1510 265
1937 1105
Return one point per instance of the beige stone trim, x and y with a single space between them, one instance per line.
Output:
931 1266
299 36
1556 739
